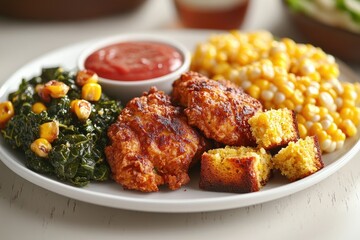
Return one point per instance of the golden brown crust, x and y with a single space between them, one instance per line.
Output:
239 177
220 111
151 144
317 161
318 157
299 159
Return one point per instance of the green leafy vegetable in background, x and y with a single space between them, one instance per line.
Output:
77 155
349 7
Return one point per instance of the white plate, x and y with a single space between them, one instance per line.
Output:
187 199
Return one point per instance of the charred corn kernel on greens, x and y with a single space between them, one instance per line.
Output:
285 74
54 138
6 113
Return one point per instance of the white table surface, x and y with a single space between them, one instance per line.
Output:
327 210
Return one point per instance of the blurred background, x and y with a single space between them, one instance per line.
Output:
30 28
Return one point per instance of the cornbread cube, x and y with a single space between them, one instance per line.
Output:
235 169
299 159
274 129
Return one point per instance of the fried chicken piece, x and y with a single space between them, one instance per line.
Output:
220 110
151 144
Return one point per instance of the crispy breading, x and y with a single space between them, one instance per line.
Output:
151 144
220 110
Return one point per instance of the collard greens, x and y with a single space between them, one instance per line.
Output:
77 155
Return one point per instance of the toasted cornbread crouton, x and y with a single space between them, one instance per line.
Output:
299 159
274 129
235 169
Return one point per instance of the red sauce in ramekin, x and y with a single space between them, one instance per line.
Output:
134 61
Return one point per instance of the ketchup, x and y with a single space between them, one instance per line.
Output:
134 61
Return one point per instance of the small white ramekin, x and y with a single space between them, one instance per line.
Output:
126 90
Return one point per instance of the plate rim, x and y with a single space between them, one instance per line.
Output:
225 202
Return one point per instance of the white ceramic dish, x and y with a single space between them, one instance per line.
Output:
126 90
187 199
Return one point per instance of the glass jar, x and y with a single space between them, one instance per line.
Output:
212 14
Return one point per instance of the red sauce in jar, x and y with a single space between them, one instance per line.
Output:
133 61
224 14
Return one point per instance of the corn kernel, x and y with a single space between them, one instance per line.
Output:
243 59
325 145
91 92
302 88
300 118
6 113
309 110
286 89
346 113
349 91
297 98
326 100
49 131
86 76
289 104
267 95
315 128
348 103
254 72
221 68
332 93
81 108
310 100
56 89
322 136
221 56
338 135
263 84
307 67
38 107
279 98
41 147
302 130
357 90
323 112
332 147
332 128
356 116
336 117
315 76
348 127
254 91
